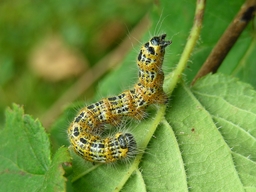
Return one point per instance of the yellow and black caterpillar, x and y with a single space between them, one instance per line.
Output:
85 132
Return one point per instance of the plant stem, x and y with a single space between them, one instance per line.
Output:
228 39
173 78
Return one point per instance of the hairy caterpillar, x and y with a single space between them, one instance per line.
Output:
85 132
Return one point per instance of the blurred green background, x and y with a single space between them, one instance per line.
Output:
46 45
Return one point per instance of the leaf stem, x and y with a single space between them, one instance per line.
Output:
173 78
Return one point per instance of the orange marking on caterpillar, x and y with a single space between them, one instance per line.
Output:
85 132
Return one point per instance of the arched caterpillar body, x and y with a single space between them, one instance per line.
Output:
85 132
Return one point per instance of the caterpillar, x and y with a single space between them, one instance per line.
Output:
85 132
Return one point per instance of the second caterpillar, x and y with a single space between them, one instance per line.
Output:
85 132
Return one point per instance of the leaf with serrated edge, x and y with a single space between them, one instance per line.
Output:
25 158
190 149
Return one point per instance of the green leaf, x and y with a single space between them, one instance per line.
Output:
205 142
25 157
208 122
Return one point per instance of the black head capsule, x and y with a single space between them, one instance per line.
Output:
127 141
160 40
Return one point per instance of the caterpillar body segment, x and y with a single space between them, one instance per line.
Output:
107 150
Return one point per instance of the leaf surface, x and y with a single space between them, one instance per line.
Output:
205 142
26 163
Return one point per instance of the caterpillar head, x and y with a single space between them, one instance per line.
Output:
156 45
152 52
127 141
160 41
